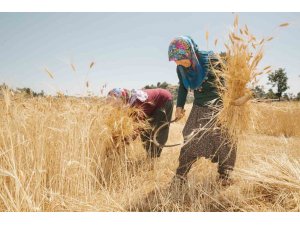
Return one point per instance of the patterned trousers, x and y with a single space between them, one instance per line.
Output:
210 144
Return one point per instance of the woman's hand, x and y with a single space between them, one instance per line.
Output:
179 113
242 100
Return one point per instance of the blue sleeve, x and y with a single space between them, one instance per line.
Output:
182 91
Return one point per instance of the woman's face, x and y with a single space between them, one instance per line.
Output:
184 62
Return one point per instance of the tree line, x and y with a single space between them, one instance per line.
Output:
25 91
277 79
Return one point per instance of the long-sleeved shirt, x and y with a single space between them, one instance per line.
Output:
156 99
203 95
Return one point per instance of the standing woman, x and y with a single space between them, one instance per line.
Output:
157 107
195 73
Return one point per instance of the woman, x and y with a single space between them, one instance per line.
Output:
194 73
157 107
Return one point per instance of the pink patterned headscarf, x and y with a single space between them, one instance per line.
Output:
137 94
120 93
129 97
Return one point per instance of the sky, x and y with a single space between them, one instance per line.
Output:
129 50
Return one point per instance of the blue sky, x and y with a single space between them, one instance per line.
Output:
129 49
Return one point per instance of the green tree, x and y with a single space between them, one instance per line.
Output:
26 91
42 93
30 93
286 97
259 92
298 96
3 86
279 79
292 96
163 85
270 94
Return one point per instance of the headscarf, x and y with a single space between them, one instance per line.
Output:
184 47
121 93
137 94
129 96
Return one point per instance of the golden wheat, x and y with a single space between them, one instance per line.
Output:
70 154
237 72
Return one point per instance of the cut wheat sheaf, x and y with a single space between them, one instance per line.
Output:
237 74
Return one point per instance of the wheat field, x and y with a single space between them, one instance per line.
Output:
69 154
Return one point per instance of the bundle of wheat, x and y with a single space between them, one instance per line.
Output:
238 73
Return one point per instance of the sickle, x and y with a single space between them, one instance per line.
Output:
156 132
189 137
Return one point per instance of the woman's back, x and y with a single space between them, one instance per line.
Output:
156 99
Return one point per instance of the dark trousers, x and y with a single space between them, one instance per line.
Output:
212 145
159 117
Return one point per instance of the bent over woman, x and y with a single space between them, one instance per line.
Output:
157 108
195 74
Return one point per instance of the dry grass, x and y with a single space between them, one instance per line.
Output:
64 154
277 119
